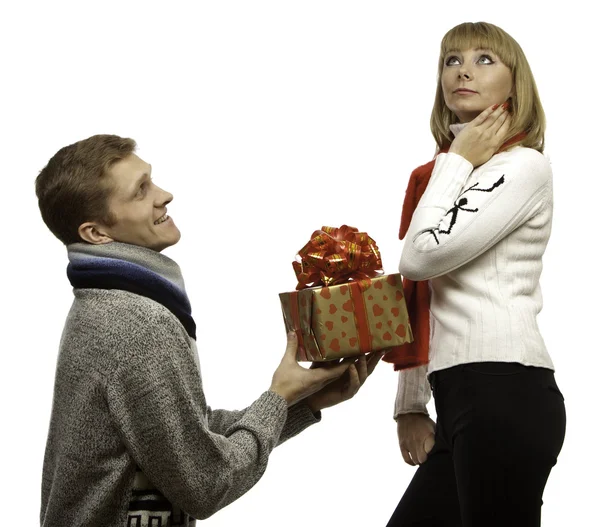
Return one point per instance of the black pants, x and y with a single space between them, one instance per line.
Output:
500 428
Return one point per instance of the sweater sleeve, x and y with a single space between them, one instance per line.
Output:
155 396
299 417
463 212
413 392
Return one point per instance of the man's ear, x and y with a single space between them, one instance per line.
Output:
93 233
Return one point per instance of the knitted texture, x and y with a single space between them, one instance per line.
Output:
130 426
416 353
477 236
112 273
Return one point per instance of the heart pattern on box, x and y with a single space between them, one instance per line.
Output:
332 332
348 306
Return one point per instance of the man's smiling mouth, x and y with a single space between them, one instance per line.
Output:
162 219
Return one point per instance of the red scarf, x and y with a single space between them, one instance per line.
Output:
416 294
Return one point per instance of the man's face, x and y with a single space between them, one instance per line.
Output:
139 207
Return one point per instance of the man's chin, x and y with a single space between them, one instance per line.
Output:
170 243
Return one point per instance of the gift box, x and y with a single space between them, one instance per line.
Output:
344 305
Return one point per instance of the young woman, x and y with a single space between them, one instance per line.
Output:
476 221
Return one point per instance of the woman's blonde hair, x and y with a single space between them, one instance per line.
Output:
526 108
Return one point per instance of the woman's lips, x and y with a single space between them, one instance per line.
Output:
463 91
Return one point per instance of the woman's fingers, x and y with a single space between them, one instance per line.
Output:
503 129
406 456
491 118
429 443
498 122
482 117
415 451
488 116
420 453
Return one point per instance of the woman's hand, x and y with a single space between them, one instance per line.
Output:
483 136
416 436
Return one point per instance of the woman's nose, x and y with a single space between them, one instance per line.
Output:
464 73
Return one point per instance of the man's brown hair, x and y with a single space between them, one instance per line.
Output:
72 188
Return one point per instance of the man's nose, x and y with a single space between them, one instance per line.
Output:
163 197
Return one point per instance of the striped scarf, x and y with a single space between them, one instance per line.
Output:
134 269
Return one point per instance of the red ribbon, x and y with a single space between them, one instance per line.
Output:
361 320
334 256
295 313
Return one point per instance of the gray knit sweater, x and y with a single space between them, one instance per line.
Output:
131 435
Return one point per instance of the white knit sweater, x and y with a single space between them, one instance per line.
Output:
478 236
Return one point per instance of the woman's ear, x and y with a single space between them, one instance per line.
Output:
511 103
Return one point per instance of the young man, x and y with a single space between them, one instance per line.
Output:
132 441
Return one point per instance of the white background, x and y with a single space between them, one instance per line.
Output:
268 120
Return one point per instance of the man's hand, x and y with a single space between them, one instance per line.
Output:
346 386
483 136
293 382
416 436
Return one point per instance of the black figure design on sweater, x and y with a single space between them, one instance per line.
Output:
461 203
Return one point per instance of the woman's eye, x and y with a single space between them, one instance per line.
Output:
142 190
485 59
451 61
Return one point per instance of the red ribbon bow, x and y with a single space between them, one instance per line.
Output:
334 256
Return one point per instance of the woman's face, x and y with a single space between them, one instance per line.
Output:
473 80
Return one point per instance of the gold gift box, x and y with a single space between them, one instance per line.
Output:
348 319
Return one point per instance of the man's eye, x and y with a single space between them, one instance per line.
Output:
451 61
